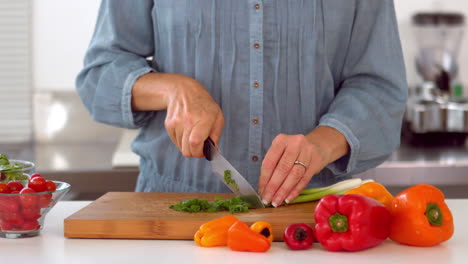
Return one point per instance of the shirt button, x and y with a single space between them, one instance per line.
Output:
257 6
255 121
256 84
256 46
254 158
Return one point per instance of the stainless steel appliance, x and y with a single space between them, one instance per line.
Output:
437 103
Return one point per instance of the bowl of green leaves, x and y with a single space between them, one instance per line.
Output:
15 170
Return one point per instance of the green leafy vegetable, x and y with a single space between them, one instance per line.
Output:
10 171
229 181
233 205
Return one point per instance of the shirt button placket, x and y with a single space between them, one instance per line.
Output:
256 79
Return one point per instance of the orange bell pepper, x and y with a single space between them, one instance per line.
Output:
214 232
420 217
374 190
242 238
263 228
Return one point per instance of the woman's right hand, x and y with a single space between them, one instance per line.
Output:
192 114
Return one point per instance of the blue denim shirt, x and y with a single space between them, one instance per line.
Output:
290 65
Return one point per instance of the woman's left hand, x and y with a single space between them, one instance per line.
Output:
292 160
288 167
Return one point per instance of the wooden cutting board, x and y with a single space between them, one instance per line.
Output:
133 215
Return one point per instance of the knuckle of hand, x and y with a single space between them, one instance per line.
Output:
174 122
279 138
194 141
298 140
169 124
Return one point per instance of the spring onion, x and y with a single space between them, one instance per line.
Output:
313 194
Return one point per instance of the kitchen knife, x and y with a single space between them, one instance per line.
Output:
230 176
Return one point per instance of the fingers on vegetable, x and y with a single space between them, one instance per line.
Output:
421 217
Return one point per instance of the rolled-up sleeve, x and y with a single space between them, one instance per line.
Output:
371 98
115 59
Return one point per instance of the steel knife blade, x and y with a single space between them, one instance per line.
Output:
230 176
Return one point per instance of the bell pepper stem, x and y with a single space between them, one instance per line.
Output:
433 214
338 223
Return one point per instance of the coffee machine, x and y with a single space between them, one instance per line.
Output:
437 104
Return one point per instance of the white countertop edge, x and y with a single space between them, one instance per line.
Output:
51 247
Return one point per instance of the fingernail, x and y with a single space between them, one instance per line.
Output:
264 202
274 204
286 201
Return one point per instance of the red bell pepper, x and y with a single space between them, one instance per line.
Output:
298 236
351 222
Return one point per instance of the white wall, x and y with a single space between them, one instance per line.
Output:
62 30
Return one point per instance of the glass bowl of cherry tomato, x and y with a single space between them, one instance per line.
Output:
25 204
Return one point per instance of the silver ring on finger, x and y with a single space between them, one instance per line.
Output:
300 163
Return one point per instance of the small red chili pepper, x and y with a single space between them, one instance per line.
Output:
298 236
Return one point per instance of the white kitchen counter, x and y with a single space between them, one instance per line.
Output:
52 247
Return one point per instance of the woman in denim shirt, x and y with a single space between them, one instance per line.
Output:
272 82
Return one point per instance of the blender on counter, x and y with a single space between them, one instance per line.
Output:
437 104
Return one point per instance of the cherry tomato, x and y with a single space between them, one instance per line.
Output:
5 225
15 186
45 200
38 184
31 213
35 175
4 188
28 201
14 192
51 186
9 205
30 225
15 219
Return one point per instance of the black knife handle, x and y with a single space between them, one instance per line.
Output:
207 148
